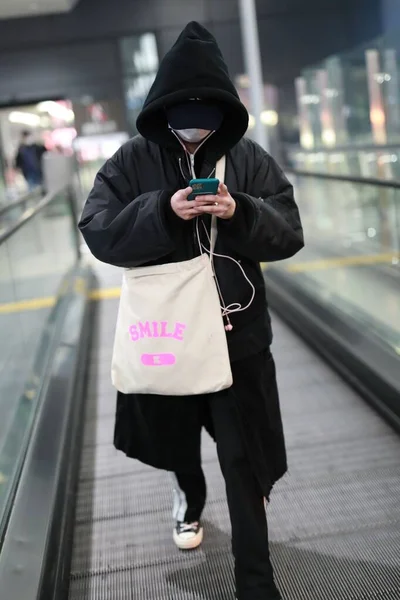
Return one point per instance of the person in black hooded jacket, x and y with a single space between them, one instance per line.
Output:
137 214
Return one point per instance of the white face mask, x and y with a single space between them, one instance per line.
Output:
193 135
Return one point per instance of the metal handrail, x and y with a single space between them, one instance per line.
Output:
345 178
343 149
25 198
30 213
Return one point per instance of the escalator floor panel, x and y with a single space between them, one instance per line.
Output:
334 519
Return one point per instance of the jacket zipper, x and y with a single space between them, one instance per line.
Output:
192 165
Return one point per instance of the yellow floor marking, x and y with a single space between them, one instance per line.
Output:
34 304
345 261
105 293
49 301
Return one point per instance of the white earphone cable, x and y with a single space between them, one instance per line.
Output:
234 307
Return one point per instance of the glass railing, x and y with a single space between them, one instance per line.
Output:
351 260
36 253
12 210
381 162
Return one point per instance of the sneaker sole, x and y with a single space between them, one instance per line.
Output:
191 544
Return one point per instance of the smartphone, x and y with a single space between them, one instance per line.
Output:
203 187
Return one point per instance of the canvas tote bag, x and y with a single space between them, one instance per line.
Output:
170 337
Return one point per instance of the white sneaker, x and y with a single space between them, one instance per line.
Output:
188 536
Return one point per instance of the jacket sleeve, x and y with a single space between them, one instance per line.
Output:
124 230
266 226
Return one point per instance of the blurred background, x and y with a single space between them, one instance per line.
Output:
77 79
73 78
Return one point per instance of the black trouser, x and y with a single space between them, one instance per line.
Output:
253 570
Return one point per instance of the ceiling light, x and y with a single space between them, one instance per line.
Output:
329 137
269 117
307 140
24 118
56 110
377 117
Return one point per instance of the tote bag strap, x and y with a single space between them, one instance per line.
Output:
219 174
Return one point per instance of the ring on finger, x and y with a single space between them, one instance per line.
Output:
216 203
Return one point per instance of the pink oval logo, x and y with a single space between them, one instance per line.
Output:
158 360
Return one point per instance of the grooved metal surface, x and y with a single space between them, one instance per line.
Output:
334 519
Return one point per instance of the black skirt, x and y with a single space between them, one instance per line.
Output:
165 431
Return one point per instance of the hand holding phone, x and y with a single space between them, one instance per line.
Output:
220 205
182 208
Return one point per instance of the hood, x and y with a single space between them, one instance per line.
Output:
193 68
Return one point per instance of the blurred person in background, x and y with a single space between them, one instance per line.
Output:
138 214
29 160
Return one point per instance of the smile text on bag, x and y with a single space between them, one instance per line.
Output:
157 329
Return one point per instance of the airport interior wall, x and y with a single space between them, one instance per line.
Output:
77 53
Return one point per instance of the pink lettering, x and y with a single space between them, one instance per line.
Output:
164 332
179 331
144 329
134 333
157 329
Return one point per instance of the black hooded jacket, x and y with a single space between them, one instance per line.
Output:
128 220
